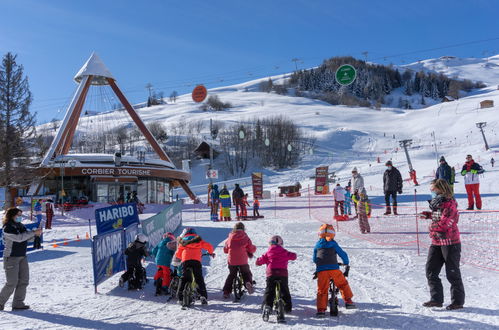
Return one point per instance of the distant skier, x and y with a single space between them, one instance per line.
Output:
215 201
327 269
225 202
339 200
392 184
237 199
357 184
348 201
49 212
470 171
492 162
256 207
276 258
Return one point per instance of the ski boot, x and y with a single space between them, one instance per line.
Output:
388 211
267 310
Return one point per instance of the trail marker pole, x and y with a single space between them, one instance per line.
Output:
309 206
417 225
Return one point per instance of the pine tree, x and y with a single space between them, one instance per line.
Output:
17 124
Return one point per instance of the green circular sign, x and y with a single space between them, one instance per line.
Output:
345 75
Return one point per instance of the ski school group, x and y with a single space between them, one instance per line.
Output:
178 263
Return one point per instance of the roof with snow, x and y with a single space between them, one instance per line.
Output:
96 68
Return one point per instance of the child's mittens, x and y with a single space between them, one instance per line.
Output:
250 255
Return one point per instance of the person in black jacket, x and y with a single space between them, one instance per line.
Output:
392 184
237 199
15 262
134 270
445 172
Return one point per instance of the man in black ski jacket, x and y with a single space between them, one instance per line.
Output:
392 184
237 198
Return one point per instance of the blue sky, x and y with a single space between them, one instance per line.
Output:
177 44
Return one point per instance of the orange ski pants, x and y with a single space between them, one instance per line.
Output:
339 280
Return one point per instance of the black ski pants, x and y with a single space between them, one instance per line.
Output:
197 270
394 198
450 256
269 295
245 272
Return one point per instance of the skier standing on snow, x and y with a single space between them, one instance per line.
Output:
225 202
348 200
492 162
444 171
15 262
238 247
445 246
339 200
237 199
470 171
276 258
327 269
215 201
49 212
392 184
357 184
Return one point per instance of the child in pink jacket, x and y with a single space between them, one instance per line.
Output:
276 258
239 247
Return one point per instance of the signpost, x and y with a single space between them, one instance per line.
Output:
345 75
321 180
199 93
212 174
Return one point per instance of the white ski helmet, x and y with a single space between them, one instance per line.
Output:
141 238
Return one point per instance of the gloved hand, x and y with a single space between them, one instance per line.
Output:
463 172
213 255
474 171
400 191
315 276
426 215
347 270
250 255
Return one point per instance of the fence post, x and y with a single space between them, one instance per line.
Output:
417 225
275 204
309 210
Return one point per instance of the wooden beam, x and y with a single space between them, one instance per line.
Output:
187 189
68 134
140 124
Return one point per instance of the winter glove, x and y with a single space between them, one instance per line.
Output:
463 172
347 270
426 215
400 191
474 172
315 276
250 255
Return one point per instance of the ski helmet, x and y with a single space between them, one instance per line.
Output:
276 240
141 238
188 231
327 232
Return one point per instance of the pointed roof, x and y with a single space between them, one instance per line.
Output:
96 68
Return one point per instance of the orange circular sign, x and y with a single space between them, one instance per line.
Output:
199 93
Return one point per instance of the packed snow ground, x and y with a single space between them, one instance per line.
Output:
388 283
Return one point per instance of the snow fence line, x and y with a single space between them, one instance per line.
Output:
479 230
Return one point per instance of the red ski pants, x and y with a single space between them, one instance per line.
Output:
474 189
163 273
339 280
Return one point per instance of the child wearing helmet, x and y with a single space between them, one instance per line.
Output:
189 251
327 269
163 253
276 258
238 247
134 254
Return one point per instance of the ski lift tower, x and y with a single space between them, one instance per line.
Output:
481 126
404 144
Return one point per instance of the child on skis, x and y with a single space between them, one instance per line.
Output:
276 258
327 269
135 273
256 207
163 253
239 247
190 252
363 210
225 201
348 199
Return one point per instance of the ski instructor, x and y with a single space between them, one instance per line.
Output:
15 262
392 184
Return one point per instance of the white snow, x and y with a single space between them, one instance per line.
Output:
387 275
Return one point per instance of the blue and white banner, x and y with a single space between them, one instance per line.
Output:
166 221
108 257
116 216
130 233
30 226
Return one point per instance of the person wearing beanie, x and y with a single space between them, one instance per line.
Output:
163 253
325 258
392 184
363 211
357 184
239 248
445 172
471 171
276 258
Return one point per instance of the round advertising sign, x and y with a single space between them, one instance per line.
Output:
345 75
199 93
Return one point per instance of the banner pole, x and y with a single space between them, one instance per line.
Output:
90 229
417 225
309 207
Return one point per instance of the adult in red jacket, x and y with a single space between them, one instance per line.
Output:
445 247
239 247
471 171
189 251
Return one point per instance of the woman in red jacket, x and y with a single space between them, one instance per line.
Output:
239 247
445 248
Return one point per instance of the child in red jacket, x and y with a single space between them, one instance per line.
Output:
239 247
276 258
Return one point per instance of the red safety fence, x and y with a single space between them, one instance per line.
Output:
479 230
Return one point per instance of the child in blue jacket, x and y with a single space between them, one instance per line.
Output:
163 253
